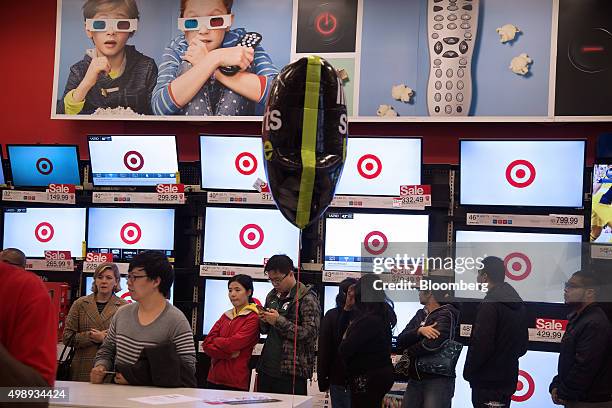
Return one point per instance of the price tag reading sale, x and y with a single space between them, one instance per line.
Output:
171 193
61 193
413 196
56 194
548 330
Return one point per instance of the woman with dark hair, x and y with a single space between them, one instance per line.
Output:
366 343
231 340
330 368
425 334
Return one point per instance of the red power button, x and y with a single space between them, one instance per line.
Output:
326 23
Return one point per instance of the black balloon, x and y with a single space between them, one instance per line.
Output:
304 134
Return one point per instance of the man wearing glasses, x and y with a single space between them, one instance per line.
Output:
149 322
278 320
584 376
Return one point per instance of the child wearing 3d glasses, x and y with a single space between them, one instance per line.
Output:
190 82
112 74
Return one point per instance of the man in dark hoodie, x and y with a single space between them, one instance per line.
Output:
499 338
276 370
584 376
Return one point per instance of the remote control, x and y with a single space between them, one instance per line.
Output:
251 39
451 29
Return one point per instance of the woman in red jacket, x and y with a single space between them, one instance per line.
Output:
233 337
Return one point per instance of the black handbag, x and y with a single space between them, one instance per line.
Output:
444 359
65 362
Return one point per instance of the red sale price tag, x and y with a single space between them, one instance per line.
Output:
415 190
62 188
58 255
170 188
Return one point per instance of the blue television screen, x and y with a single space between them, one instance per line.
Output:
2 181
39 166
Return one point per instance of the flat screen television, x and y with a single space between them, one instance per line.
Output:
529 173
125 232
404 311
247 236
352 240
124 293
536 370
2 180
216 300
378 166
537 264
41 165
36 230
601 205
133 161
231 162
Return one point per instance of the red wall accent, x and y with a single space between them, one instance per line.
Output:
26 72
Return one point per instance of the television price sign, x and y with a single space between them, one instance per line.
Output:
54 265
229 271
165 194
564 221
226 197
171 193
548 330
413 196
55 194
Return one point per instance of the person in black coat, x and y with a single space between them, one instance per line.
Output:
330 368
584 376
366 344
425 334
499 338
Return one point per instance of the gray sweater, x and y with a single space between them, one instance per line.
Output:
127 337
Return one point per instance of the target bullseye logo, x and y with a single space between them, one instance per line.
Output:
375 242
133 160
518 266
326 23
246 163
520 173
525 387
130 233
251 236
44 232
44 166
369 166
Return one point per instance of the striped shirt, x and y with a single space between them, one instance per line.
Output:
162 101
127 337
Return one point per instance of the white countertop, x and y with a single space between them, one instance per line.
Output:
116 396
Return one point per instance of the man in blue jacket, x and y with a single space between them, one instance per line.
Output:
584 376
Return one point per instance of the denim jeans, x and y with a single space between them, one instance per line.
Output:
486 398
429 393
340 396
214 99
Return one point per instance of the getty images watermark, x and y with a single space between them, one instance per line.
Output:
427 285
406 272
